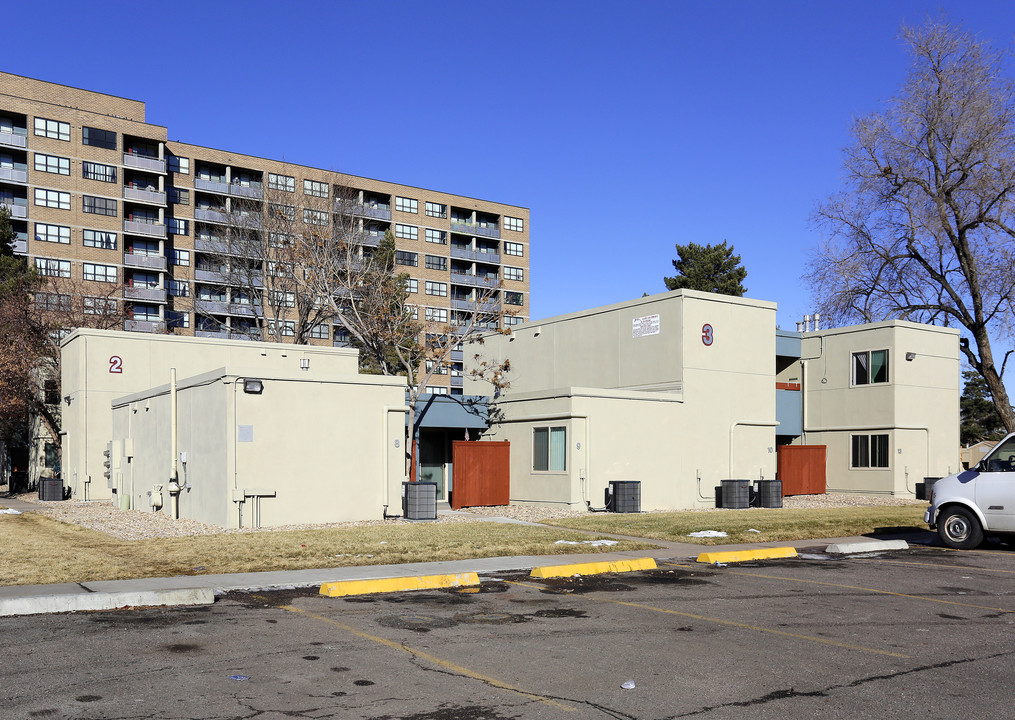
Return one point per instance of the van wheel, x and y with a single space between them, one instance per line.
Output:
959 529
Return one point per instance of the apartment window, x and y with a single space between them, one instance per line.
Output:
549 449
53 268
98 206
52 199
511 248
439 315
869 451
281 298
100 273
178 226
179 164
406 205
511 320
435 262
410 259
176 319
870 366
52 164
406 232
179 288
412 311
53 302
315 189
98 138
99 305
180 257
436 210
98 171
281 182
52 129
285 327
315 217
412 285
180 196
319 332
513 223
436 390
436 288
99 239
436 236
513 298
285 212
281 240
52 233
436 368
513 273
145 313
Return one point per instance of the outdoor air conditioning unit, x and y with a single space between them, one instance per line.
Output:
419 500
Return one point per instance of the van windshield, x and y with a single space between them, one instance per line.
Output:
1002 459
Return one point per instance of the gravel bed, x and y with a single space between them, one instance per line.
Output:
139 525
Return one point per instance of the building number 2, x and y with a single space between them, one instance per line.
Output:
115 364
706 334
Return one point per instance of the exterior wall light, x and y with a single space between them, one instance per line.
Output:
304 363
910 356
253 387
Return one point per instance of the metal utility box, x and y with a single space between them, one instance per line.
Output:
50 489
770 493
626 495
419 500
736 494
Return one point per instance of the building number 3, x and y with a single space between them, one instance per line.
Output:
115 364
706 334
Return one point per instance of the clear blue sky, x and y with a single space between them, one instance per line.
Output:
624 127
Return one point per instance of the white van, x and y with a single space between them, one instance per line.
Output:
976 502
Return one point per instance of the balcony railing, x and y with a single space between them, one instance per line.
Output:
378 212
154 262
244 310
210 215
20 247
250 191
211 307
217 334
17 211
212 276
475 229
153 197
141 227
488 306
10 174
212 246
216 186
147 294
480 255
14 140
457 381
457 355
371 240
150 326
491 281
144 162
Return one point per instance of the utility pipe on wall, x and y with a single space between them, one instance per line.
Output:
174 448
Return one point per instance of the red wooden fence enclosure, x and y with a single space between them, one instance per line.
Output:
482 473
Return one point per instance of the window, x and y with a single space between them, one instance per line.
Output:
281 182
99 306
281 298
412 311
870 366
436 288
319 331
52 129
98 138
549 449
179 288
178 226
435 262
54 302
516 249
100 273
436 210
52 199
406 205
99 206
436 236
145 313
180 257
52 164
406 258
287 327
439 315
315 189
52 233
53 268
412 285
510 320
284 212
406 232
513 273
436 390
176 319
512 223
513 298
180 196
99 239
98 171
315 217
869 451
179 165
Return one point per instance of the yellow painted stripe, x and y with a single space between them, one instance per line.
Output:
941 565
439 662
593 568
731 623
383 585
732 556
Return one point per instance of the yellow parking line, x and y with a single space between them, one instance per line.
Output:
731 623
449 666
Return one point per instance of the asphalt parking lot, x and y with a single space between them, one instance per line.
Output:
926 632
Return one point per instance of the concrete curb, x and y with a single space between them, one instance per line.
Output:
865 547
104 601
732 556
383 585
593 568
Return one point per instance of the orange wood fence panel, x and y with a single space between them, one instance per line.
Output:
482 473
802 469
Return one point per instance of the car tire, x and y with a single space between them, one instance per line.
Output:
958 528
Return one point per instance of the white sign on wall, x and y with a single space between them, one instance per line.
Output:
642 326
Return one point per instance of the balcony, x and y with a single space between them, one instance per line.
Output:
211 307
457 381
248 191
153 262
20 245
489 281
146 294
212 246
371 240
457 355
141 227
378 212
9 174
210 276
215 186
149 326
475 229
13 140
216 334
207 215
152 197
17 211
479 255
244 310
144 162
488 306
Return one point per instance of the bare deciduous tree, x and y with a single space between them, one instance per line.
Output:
925 227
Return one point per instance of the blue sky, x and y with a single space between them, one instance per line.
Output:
624 127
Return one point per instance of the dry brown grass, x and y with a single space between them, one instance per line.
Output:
40 550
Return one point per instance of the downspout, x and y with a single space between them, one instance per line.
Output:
384 456
174 447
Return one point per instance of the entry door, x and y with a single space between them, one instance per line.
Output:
432 459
